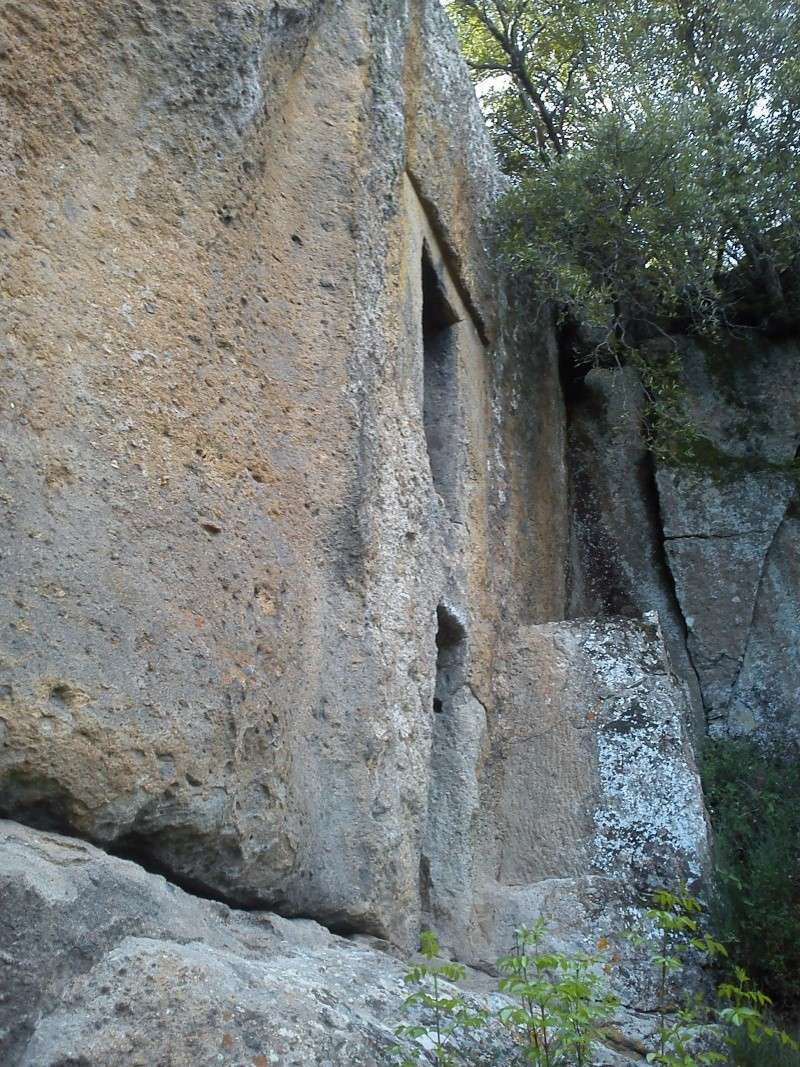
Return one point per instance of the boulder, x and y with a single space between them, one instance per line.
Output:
105 963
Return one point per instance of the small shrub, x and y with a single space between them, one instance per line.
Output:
444 1005
559 1004
771 1052
675 917
561 1000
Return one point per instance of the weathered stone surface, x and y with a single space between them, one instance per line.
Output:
619 565
709 544
721 522
284 533
104 963
741 395
717 536
528 465
766 697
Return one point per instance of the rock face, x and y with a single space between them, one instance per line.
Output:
286 536
711 543
578 799
619 562
225 231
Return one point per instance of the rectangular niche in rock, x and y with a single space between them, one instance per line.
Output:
440 384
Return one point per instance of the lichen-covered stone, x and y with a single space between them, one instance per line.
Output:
589 797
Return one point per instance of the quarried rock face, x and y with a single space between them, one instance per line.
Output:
728 529
718 535
240 241
766 696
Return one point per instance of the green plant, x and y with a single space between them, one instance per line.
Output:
675 918
561 1000
745 1010
560 1006
769 1052
445 1006
753 796
739 1009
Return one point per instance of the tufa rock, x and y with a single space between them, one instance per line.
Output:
285 533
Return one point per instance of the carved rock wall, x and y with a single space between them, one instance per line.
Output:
578 791
285 531
224 548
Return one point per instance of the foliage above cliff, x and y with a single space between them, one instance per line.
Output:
653 148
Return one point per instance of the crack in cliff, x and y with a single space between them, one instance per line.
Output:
792 503
722 536
669 578
476 698
138 854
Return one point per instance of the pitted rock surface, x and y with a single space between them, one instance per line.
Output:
105 963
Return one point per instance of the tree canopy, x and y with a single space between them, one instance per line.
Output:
653 148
